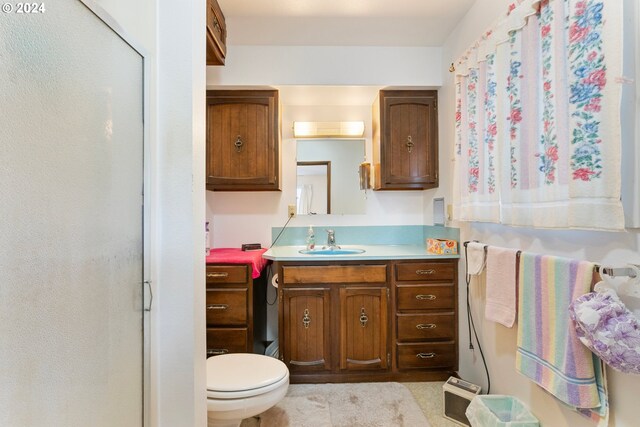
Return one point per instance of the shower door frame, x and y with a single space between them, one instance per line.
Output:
145 281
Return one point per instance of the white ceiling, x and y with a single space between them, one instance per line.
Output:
342 22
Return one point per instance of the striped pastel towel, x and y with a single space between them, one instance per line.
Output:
549 353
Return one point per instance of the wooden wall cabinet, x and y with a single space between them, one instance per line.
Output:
368 321
216 34
243 140
405 140
235 310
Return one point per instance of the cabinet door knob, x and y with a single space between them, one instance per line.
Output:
306 319
426 355
217 275
426 326
409 143
425 297
363 318
217 306
238 144
425 272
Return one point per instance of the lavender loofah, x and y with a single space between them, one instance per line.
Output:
608 329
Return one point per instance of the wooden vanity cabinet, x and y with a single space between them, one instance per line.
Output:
234 310
333 321
243 140
216 34
382 320
426 332
405 140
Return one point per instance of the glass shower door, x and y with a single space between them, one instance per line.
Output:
71 225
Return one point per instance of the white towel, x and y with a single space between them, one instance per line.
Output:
501 286
475 258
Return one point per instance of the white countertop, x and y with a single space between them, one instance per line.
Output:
372 252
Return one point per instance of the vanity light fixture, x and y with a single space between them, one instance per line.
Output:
328 129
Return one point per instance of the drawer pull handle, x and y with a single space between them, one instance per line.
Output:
425 297
363 318
217 351
425 272
426 355
217 306
426 326
217 275
306 319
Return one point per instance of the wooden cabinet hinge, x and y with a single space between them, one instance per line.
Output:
388 294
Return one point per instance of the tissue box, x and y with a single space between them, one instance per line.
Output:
442 247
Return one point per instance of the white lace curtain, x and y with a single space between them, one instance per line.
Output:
538 118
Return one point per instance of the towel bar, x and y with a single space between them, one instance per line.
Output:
610 271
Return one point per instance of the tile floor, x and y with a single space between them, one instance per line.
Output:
429 397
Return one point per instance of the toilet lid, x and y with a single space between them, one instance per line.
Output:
243 371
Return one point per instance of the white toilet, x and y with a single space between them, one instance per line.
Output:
242 385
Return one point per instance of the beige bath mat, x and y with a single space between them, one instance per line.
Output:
343 405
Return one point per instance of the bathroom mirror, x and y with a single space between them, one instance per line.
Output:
328 180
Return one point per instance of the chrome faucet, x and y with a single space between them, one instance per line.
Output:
331 240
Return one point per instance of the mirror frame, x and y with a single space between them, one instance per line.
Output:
326 163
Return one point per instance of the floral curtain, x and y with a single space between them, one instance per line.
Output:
538 118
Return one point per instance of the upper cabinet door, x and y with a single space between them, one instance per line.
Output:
243 140
216 34
405 140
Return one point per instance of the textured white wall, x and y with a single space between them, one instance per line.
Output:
180 318
499 343
328 65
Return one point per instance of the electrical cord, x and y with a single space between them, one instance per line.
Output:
470 320
275 298
281 231
269 266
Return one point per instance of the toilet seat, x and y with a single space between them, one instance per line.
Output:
241 375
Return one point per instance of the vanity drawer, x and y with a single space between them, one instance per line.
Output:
423 327
222 341
425 271
424 297
431 355
335 274
227 306
227 274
